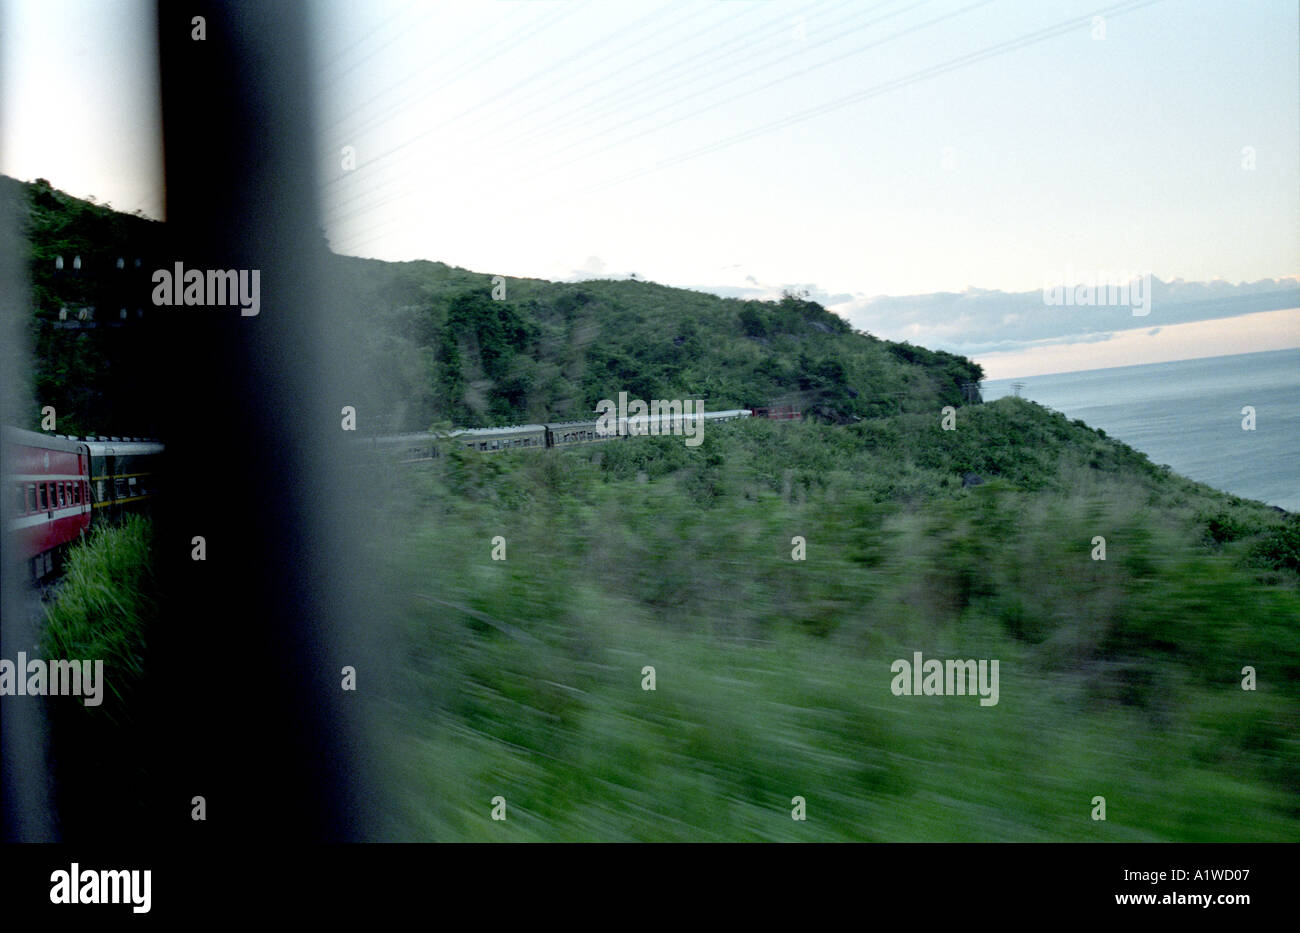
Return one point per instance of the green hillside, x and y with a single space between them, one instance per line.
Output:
443 349
523 676
433 345
94 377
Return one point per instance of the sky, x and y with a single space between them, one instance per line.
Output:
853 149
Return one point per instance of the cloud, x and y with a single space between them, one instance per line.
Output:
979 321
592 268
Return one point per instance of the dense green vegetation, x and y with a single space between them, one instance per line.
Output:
439 348
1119 678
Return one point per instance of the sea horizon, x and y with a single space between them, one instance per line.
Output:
1103 369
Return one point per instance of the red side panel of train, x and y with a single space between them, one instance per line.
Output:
49 492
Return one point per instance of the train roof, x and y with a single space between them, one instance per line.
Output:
507 429
43 441
123 448
399 438
427 436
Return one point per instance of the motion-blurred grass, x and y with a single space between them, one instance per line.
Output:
103 610
1119 678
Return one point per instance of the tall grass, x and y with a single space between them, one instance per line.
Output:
104 605
104 610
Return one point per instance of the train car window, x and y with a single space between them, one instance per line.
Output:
43 496
76 493
20 501
31 497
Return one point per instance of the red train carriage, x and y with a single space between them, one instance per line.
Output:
48 485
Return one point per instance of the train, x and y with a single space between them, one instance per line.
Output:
61 486
561 434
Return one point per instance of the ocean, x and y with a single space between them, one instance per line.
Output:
1187 414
